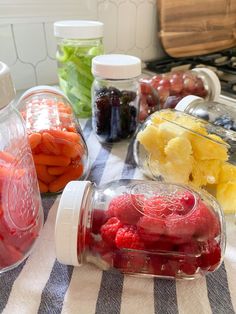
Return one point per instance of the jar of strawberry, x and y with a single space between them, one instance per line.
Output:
21 215
57 143
140 228
165 90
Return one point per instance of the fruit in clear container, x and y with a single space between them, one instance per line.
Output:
168 89
179 148
171 235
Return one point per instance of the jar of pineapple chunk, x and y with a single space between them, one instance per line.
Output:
176 147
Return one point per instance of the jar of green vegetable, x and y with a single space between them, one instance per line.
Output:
78 42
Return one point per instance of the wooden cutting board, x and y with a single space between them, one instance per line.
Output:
196 27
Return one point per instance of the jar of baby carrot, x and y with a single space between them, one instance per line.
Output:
21 214
57 143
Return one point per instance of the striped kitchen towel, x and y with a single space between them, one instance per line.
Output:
42 285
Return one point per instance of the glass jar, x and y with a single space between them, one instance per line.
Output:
177 147
78 42
57 143
21 215
173 86
115 96
219 114
140 228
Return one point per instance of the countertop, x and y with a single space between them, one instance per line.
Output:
42 285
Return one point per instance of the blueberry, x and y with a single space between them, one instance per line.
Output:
228 126
233 127
219 122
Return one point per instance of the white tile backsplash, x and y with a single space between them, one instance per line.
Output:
7 46
29 48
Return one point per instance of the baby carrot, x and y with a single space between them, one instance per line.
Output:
71 129
34 139
43 174
57 170
41 148
69 136
49 142
43 187
72 151
51 160
7 157
72 174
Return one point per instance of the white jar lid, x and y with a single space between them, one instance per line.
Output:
7 90
116 66
215 82
78 29
187 100
67 222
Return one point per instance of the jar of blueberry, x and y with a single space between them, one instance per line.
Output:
142 228
219 114
115 96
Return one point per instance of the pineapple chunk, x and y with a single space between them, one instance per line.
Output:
227 173
160 116
178 149
205 172
168 130
192 124
203 148
225 194
177 172
151 140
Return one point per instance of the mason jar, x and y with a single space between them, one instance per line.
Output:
115 96
142 228
59 150
165 90
21 214
176 147
78 42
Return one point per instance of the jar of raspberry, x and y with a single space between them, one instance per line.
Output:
115 96
165 90
59 150
140 228
21 215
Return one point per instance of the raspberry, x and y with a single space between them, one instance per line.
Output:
99 218
127 208
150 229
109 230
157 207
130 261
208 226
127 237
188 263
211 255
186 201
165 206
202 224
